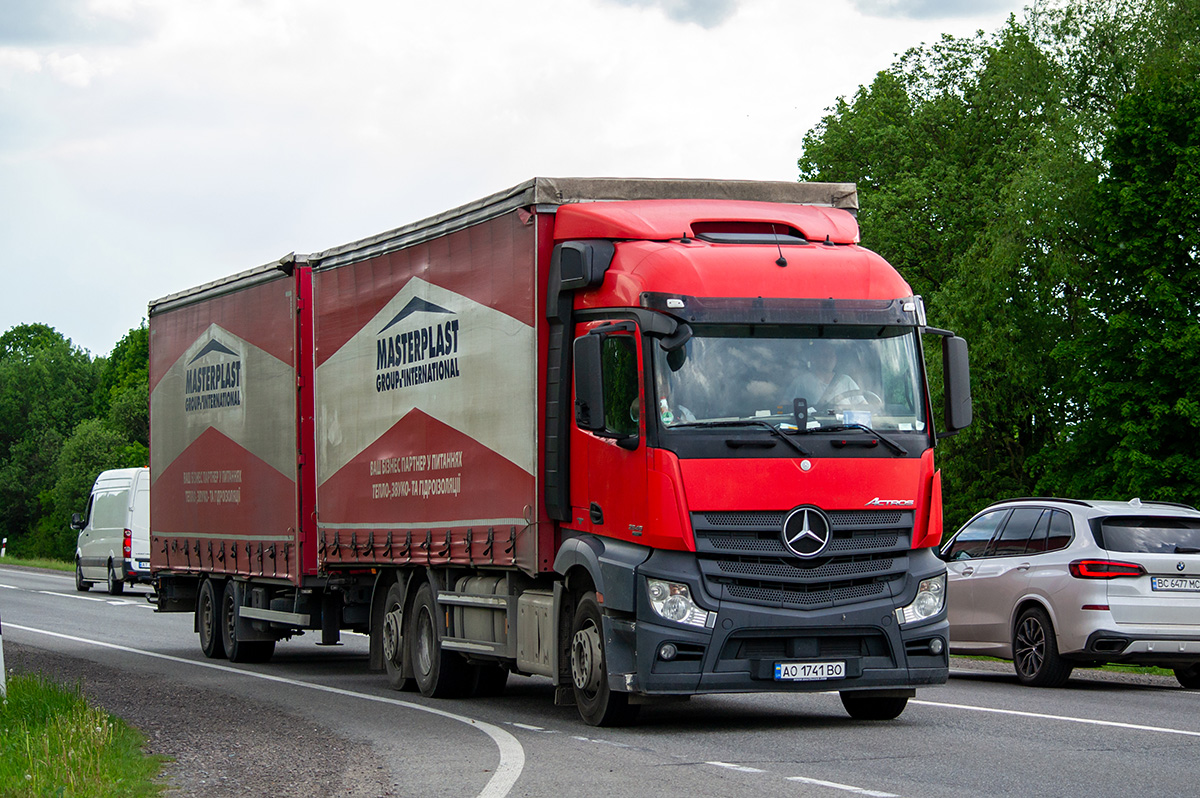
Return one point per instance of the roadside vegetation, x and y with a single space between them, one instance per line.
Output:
53 744
39 562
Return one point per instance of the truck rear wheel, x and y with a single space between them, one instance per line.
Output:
240 650
439 673
597 704
208 621
393 640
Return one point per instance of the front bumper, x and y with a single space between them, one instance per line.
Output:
739 652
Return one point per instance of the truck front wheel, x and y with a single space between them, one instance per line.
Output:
866 706
597 704
208 621
439 673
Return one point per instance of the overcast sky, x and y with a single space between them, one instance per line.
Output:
147 146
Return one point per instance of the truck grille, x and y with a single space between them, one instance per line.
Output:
742 557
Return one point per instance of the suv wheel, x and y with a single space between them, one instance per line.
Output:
1189 677
1035 651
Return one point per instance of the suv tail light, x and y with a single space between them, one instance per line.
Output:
1104 569
127 544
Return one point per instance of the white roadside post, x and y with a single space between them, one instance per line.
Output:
3 673
3 546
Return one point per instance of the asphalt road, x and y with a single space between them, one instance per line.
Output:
313 721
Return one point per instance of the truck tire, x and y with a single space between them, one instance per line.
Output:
240 650
393 640
80 584
864 706
208 621
597 704
439 673
114 585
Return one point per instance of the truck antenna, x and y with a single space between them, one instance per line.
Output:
780 261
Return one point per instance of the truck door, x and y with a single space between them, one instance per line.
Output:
607 440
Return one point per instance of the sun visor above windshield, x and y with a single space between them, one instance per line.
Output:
661 221
758 310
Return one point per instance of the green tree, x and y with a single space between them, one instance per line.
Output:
1139 432
47 387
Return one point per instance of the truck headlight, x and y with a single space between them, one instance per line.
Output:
673 602
931 598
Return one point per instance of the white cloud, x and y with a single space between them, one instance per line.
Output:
191 140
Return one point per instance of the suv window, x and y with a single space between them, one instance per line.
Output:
1016 533
1061 532
1146 534
972 540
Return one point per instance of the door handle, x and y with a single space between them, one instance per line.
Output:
968 570
1023 566
596 513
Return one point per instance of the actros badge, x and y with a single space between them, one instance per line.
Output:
806 531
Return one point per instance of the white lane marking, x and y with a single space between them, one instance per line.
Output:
512 755
845 787
527 727
1065 718
738 768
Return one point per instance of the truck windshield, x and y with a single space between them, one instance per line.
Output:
793 376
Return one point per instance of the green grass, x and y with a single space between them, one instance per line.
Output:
53 744
1115 668
55 565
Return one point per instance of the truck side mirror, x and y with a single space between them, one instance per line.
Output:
957 383
589 391
77 522
607 395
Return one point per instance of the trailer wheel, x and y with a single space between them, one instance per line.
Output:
208 621
439 673
115 586
240 650
393 640
597 704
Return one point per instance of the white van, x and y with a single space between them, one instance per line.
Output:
114 533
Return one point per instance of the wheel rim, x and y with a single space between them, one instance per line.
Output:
1031 646
206 616
424 650
391 636
585 659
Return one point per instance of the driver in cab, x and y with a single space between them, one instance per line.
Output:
821 384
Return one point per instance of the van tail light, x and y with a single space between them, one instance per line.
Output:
1104 569
127 544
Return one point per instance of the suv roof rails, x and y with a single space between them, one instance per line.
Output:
1094 502
1040 499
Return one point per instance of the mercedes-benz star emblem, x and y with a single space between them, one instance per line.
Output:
806 531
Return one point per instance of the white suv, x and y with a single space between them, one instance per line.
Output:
1056 583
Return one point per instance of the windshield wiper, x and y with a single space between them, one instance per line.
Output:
744 422
1187 550
891 444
